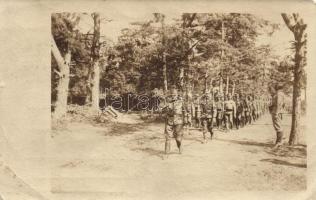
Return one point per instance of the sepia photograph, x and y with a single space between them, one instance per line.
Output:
214 96
159 105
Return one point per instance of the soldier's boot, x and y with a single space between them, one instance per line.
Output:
223 123
279 140
243 122
199 123
227 123
211 133
179 146
204 138
219 123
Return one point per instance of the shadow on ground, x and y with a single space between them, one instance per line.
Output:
282 162
119 129
298 151
248 143
150 151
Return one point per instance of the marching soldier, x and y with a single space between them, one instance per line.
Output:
219 104
274 109
208 112
239 120
175 120
248 111
230 112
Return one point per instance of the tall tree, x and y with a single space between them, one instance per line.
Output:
95 56
63 79
63 42
297 26
161 18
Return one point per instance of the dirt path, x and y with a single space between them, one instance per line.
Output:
125 162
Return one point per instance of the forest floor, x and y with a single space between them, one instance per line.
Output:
125 160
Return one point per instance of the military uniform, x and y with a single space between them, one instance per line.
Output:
220 111
208 113
189 107
253 109
274 109
197 113
240 115
174 122
248 111
230 112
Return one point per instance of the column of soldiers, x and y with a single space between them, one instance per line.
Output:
209 111
227 111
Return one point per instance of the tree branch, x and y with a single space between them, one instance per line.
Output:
288 22
58 73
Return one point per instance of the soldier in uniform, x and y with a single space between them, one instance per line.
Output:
239 120
175 120
248 110
219 104
274 109
208 112
230 112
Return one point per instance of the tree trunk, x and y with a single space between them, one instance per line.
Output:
63 82
164 71
233 89
95 75
211 85
296 101
89 92
181 78
221 85
164 59
296 113
227 85
205 81
62 88
297 26
95 90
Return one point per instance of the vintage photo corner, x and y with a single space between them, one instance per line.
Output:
124 100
